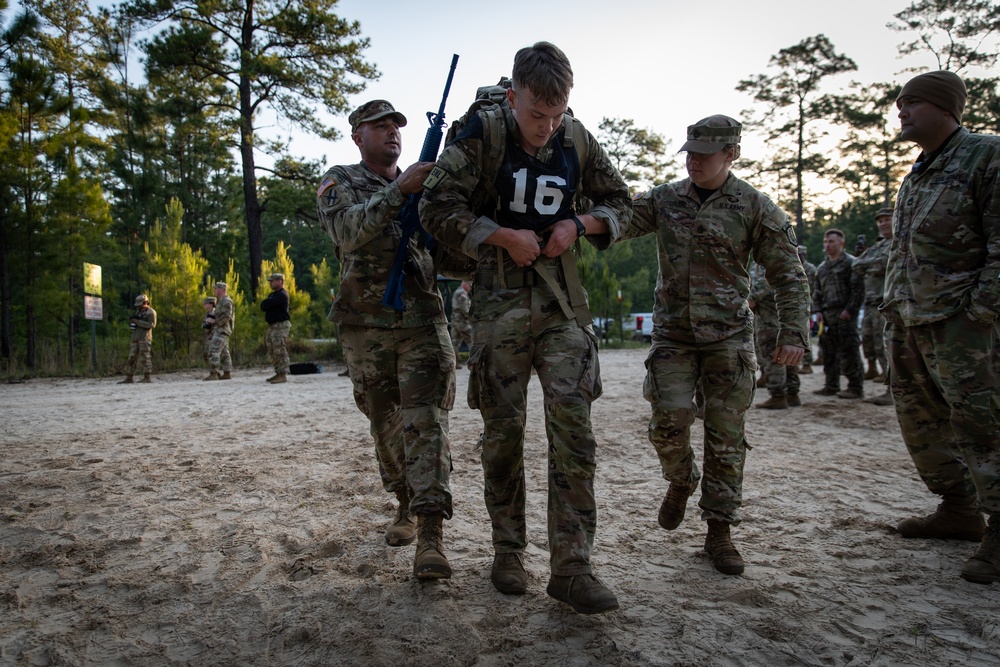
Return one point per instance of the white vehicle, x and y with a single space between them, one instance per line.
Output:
641 325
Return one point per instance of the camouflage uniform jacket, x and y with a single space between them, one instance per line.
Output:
145 322
445 207
762 294
838 288
225 316
358 209
870 266
810 270
704 254
945 252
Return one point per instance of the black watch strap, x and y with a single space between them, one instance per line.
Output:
581 229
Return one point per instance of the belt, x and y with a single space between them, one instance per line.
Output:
515 279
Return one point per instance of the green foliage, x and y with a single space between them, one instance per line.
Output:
642 156
326 283
172 274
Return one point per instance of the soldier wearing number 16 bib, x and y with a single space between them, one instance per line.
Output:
509 191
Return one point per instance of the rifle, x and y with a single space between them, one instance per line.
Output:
408 218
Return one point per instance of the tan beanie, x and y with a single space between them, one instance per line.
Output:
943 88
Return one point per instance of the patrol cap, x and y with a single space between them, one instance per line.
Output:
141 299
942 88
883 211
210 299
221 285
374 110
712 134
276 276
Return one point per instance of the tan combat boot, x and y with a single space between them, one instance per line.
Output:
404 529
226 375
584 592
719 547
956 518
146 379
674 503
984 566
214 375
430 561
776 402
128 380
793 400
279 378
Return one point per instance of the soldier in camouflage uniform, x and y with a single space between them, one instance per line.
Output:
461 328
836 302
401 362
870 266
708 226
782 381
279 323
810 269
140 346
208 303
223 319
942 297
527 161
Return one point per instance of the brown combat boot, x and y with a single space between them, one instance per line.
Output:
984 566
776 402
719 547
128 380
793 400
872 371
881 399
584 592
806 369
674 504
214 375
851 394
278 378
404 529
956 518
430 561
508 575
146 379
226 375
762 381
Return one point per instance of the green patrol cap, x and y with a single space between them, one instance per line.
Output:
210 299
374 110
712 134
883 211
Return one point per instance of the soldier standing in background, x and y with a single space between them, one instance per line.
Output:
781 380
942 295
461 328
870 266
708 227
401 362
279 323
140 346
836 302
208 303
223 319
504 192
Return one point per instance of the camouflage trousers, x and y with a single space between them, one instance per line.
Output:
207 354
218 352
461 332
841 354
514 332
139 351
782 380
945 378
873 334
727 372
404 383
277 345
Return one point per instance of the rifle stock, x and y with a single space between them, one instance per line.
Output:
409 218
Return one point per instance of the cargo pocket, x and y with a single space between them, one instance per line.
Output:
649 388
745 385
590 377
476 368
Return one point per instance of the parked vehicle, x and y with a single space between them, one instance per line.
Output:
641 326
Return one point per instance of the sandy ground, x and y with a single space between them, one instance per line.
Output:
241 523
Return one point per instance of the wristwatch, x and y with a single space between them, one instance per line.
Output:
581 230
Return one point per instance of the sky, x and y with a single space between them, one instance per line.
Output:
662 63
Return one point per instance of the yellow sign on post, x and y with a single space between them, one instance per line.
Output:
92 279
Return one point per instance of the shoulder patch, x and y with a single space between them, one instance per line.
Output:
326 192
434 178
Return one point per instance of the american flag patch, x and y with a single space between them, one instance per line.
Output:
327 183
